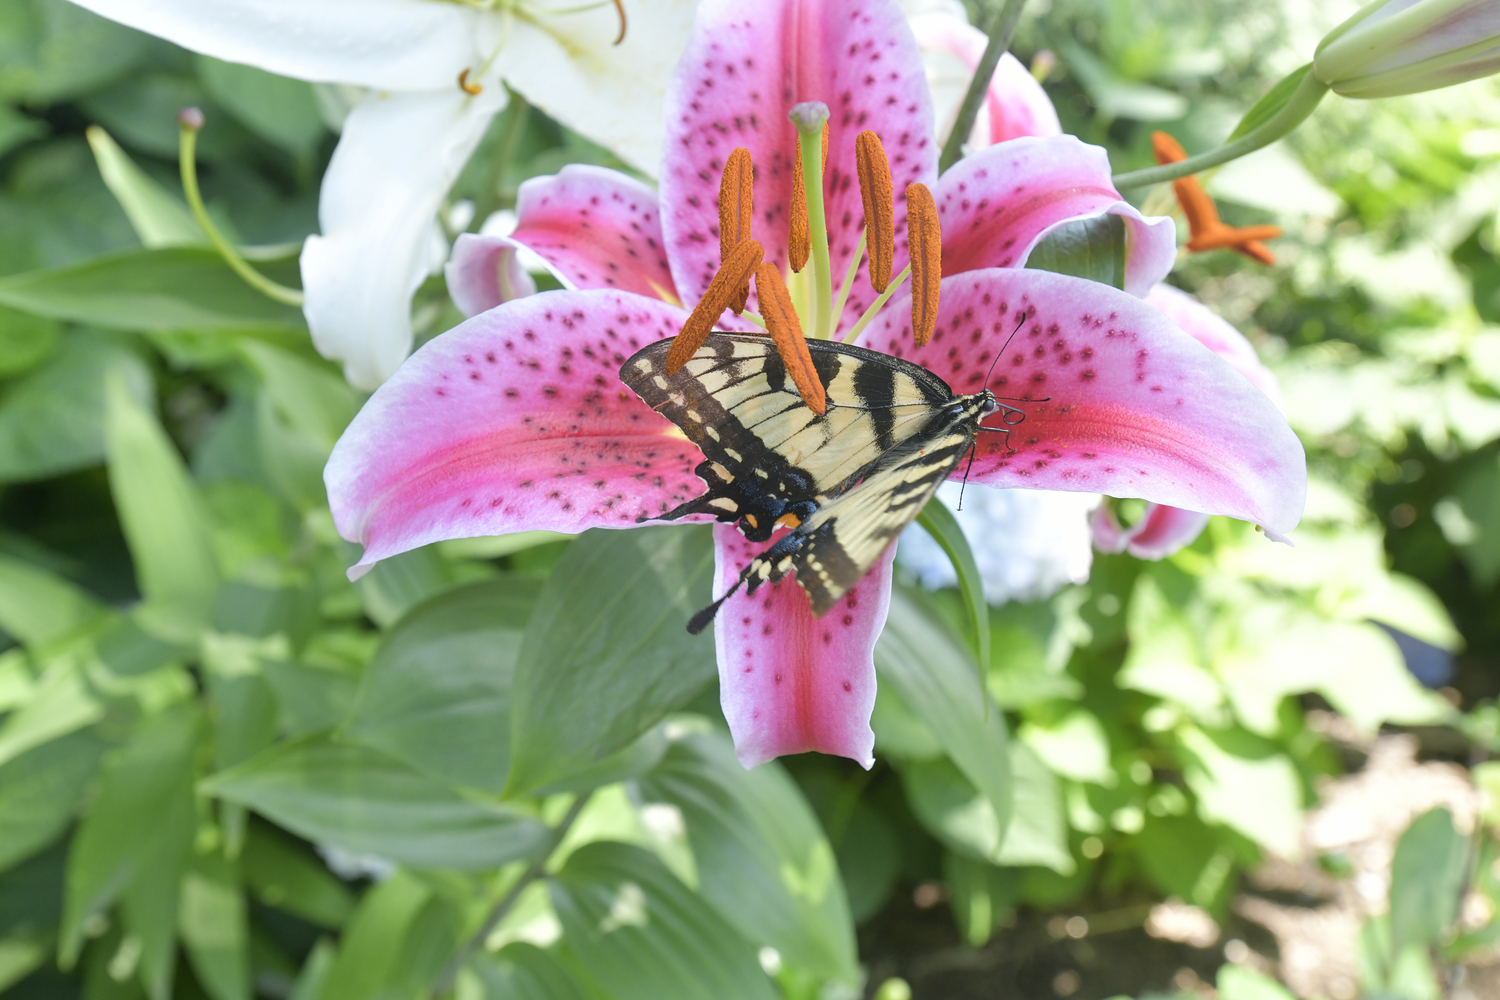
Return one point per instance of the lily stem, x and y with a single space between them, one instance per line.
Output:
1301 104
188 163
1001 29
875 307
444 981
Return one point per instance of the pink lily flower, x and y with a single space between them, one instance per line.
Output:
517 420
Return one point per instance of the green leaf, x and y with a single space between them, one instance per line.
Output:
1268 106
52 418
169 288
401 582
215 928
370 950
369 803
940 523
606 654
25 340
30 904
160 219
1428 874
140 821
283 873
39 792
1240 982
437 693
163 518
761 856
61 51
16 129
37 606
634 932
279 110
1255 792
935 678
1085 248
521 971
980 894
61 703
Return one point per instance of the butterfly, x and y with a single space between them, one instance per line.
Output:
846 483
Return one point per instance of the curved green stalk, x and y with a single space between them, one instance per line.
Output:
1002 28
1301 104
188 126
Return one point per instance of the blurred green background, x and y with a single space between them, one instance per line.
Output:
227 772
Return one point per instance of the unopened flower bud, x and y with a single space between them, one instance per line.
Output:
1396 47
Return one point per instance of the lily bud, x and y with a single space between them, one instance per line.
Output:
1396 47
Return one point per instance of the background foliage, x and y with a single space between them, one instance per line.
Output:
227 772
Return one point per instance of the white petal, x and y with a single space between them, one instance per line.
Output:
395 161
569 66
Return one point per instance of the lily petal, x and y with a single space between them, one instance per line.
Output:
562 56
397 157
512 421
1015 105
745 66
1105 395
790 682
593 227
1161 531
1215 333
485 271
387 44
997 204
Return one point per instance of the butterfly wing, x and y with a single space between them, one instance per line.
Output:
769 458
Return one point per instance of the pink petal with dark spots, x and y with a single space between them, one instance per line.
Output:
790 682
745 67
1103 394
514 420
485 271
1215 333
1015 104
1161 531
594 228
997 204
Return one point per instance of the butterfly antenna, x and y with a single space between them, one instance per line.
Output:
973 450
700 621
1024 316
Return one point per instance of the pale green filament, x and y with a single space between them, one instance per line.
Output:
838 305
877 305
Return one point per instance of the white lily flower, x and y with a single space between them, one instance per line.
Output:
407 139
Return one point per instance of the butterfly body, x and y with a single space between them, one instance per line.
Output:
846 482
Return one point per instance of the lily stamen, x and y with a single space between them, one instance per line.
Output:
722 291
1207 231
735 212
874 170
472 89
925 238
786 329
799 242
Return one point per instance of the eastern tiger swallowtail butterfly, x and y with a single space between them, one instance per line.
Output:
846 482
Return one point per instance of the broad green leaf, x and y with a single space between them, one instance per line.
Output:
437 694
311 697
1116 96
762 859
1074 747
398 584
168 288
52 419
634 932
1274 100
370 949
1165 657
1260 796
1241 982
936 679
1086 248
309 394
980 894
215 928
163 518
62 51
160 219
1428 874
30 904
282 111
1185 857
61 703
16 128
38 606
285 874
39 792
1037 834
521 971
606 654
940 523
142 817
25 340
369 803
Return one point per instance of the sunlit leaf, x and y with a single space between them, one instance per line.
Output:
940 523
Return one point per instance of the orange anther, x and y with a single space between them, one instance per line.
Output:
925 240
735 211
874 171
786 329
620 10
1207 231
722 291
799 240
472 89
